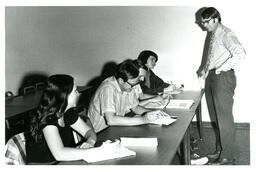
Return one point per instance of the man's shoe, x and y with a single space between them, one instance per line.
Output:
222 161
197 160
215 155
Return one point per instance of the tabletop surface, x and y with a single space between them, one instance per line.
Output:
169 137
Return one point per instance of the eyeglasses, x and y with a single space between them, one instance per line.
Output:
132 85
205 21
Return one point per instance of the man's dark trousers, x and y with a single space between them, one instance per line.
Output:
219 92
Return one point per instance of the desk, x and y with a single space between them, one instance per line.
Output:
169 137
21 104
16 112
195 109
18 108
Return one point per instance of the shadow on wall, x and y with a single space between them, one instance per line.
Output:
32 79
108 70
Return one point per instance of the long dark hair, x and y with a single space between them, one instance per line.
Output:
52 103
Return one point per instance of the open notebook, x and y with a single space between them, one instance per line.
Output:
107 155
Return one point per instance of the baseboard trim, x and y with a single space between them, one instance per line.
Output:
238 125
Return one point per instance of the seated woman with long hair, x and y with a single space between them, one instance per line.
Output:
50 137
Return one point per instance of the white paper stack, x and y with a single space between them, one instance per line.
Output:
127 141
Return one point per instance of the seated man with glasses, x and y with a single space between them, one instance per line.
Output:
116 97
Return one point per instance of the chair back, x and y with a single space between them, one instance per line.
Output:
29 90
40 86
8 94
15 150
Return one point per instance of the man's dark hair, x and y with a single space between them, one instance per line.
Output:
211 12
127 70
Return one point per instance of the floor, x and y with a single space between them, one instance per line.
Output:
242 147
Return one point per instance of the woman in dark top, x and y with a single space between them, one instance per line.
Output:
50 137
152 83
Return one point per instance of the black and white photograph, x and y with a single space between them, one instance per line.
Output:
128 84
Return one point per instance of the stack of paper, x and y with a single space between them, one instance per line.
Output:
127 141
107 155
179 104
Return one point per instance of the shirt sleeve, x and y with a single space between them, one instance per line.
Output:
134 96
70 116
235 48
157 83
107 100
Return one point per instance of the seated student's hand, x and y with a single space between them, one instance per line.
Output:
173 89
166 96
156 99
152 116
110 146
170 88
159 117
91 139
163 119
107 148
86 145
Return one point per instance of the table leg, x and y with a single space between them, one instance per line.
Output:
199 120
186 147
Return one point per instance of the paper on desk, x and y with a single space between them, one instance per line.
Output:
128 141
179 104
157 105
107 155
164 119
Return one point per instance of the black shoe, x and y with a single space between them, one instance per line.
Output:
215 155
223 161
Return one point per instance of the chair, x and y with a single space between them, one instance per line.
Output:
40 86
15 153
8 94
28 90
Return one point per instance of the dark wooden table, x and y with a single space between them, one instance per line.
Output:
21 104
169 137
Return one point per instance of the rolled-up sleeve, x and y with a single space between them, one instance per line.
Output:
107 100
235 49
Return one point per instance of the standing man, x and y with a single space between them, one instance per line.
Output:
224 51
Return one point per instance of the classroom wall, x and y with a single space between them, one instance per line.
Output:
80 40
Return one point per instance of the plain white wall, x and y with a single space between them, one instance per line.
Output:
80 40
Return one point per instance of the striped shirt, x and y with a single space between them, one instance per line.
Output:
225 50
110 98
